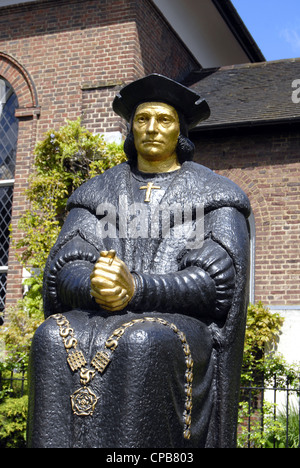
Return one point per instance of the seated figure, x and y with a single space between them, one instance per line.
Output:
145 294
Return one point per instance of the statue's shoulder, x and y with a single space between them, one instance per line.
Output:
218 190
99 188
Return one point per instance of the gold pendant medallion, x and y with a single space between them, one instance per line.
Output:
83 401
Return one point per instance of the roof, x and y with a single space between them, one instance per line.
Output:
212 30
249 94
239 30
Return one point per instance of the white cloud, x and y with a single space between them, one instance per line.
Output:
292 37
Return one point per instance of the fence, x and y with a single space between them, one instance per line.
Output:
13 383
269 415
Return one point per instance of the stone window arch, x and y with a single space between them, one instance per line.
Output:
18 127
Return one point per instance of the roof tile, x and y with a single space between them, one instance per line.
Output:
253 93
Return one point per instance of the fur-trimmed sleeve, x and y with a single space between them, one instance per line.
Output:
70 263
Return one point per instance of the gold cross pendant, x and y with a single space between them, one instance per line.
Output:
148 189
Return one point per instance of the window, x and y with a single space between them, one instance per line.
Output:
8 147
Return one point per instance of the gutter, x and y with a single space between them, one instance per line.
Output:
247 124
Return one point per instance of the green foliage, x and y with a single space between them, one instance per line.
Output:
262 334
256 437
65 159
293 426
13 381
263 327
17 335
267 431
13 416
261 364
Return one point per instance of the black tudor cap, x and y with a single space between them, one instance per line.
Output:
159 88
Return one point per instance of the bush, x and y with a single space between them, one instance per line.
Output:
263 329
13 416
260 435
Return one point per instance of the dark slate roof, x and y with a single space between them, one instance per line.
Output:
249 94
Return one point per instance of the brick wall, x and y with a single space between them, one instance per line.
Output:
68 45
68 58
266 165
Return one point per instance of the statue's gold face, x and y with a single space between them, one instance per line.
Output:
156 130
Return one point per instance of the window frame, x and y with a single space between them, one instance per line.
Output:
8 92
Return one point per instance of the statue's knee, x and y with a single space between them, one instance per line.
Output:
147 337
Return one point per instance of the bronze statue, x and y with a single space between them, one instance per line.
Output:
145 294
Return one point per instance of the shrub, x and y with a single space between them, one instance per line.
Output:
263 329
13 416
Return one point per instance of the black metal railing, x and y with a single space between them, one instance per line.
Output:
14 383
270 414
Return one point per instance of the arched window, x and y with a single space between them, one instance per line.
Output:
8 147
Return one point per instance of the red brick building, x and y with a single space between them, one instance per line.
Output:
61 59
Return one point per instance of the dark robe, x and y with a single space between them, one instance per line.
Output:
202 290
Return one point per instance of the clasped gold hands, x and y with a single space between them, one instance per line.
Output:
112 284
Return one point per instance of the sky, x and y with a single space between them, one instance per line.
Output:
274 25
